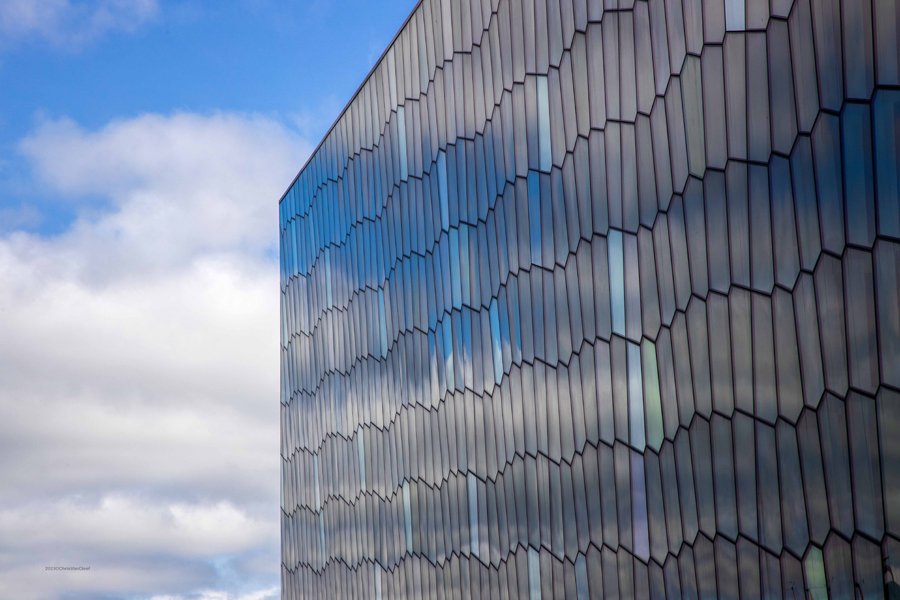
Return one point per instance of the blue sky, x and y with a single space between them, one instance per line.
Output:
143 147
297 61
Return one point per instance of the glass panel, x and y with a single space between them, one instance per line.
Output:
793 507
763 359
652 406
790 393
861 321
814 568
448 351
687 499
723 476
361 456
324 552
401 138
317 485
496 341
670 497
859 180
534 574
839 568
769 502
382 323
833 438
455 275
442 187
581 578
692 99
473 513
407 516
781 95
534 216
887 154
635 398
639 507
865 461
617 280
329 296
465 267
543 108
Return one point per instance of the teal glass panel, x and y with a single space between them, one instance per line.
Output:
652 405
814 569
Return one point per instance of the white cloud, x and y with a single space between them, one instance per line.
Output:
212 168
265 594
72 23
139 362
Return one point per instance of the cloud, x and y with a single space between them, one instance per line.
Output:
209 167
139 362
72 23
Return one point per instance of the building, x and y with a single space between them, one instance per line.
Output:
600 302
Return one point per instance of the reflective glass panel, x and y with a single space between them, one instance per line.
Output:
473 512
635 398
543 106
616 280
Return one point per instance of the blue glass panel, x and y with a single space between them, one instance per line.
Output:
543 106
616 280
464 267
382 322
455 278
442 189
534 215
859 180
496 341
448 351
887 156
329 300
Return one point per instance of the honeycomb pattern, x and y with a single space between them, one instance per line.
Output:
600 299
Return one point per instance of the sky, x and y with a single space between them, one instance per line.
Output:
144 145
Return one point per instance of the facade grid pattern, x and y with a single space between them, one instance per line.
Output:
600 299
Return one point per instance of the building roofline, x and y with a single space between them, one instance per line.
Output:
352 98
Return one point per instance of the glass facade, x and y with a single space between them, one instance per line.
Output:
600 299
